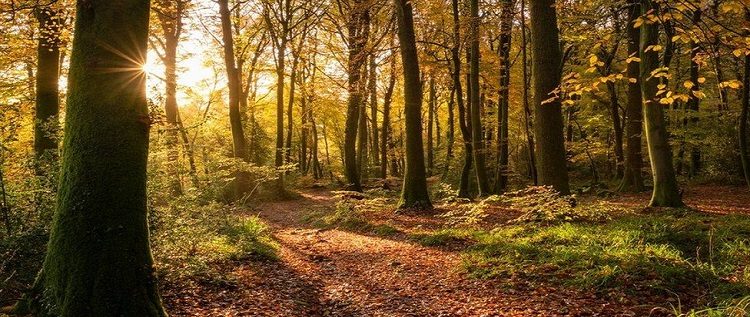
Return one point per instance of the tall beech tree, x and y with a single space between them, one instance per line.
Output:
551 163
632 180
414 193
666 191
477 133
98 260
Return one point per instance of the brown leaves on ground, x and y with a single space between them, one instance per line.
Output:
340 273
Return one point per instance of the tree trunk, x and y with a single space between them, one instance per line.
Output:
548 124
528 125
430 127
463 187
614 112
290 111
666 192
693 105
476 120
743 125
233 81
506 25
414 193
373 89
98 261
386 130
355 64
632 180
171 22
47 106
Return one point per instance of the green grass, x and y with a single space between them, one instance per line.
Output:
675 252
348 215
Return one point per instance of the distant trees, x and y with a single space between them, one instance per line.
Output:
98 261
632 180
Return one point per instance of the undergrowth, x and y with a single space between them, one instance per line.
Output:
678 252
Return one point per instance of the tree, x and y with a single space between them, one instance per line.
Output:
475 103
506 25
551 163
666 192
47 105
98 260
233 83
414 193
169 14
357 40
463 123
632 180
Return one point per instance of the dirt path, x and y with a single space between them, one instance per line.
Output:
339 273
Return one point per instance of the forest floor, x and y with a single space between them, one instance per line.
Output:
340 272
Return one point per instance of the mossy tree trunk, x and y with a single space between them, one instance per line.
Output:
477 133
632 180
666 191
414 193
551 163
745 113
98 259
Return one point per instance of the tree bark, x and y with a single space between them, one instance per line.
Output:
506 25
744 113
430 127
693 104
233 82
550 148
372 84
98 261
357 59
476 121
632 180
414 193
528 123
666 191
463 123
386 129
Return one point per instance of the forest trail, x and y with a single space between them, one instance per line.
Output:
340 273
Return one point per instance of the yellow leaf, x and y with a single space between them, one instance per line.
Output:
701 80
688 84
633 80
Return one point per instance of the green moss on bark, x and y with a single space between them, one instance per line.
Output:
98 259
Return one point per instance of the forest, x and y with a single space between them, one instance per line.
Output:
374 158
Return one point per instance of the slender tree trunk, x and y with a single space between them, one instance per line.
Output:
451 134
386 130
506 25
476 119
414 193
693 105
373 89
463 122
430 127
528 123
666 191
614 112
550 148
47 106
98 260
632 180
290 111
